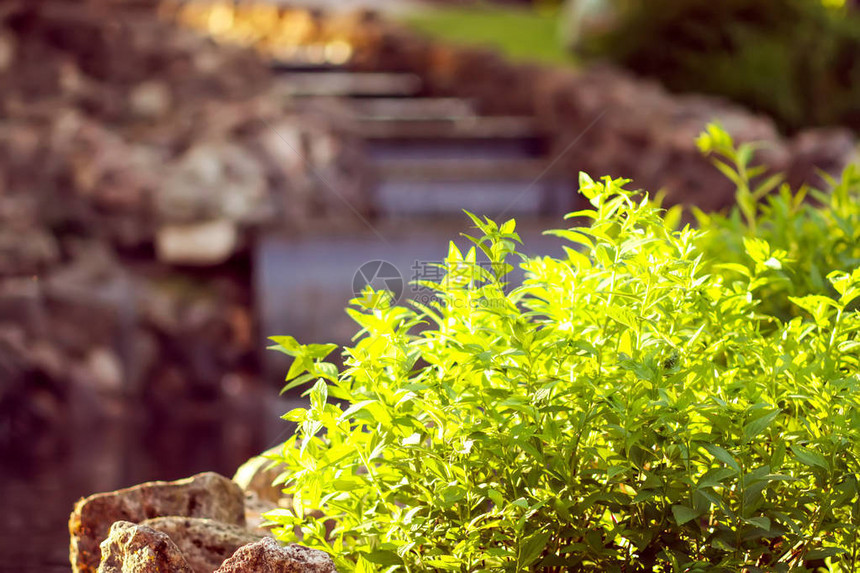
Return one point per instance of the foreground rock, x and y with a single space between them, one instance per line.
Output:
204 543
206 495
132 548
195 525
267 556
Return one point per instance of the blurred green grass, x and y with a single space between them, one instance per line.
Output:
520 34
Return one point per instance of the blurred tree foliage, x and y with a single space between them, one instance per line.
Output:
796 60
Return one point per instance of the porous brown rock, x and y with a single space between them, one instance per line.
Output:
131 548
207 495
204 543
268 556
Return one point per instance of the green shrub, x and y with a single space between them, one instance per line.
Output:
816 232
795 60
639 405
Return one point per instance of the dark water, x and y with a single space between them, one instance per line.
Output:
44 473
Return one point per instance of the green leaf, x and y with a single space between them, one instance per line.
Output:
824 553
814 304
622 316
684 514
760 522
285 344
355 408
319 394
759 425
757 249
363 566
715 477
722 455
383 557
531 549
809 457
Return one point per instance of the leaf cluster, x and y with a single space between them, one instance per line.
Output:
794 240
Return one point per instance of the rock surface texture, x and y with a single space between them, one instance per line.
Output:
206 495
267 556
204 543
195 525
132 548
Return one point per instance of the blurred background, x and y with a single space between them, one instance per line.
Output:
181 180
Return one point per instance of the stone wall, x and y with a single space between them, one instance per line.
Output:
137 162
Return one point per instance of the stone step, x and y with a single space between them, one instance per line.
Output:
504 149
432 198
423 139
474 128
314 58
348 84
421 187
302 65
412 109
450 170
451 149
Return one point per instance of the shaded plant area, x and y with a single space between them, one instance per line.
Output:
654 400
796 60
